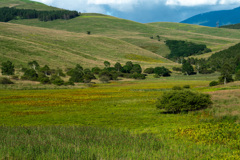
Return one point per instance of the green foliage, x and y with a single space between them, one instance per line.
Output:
30 74
43 79
96 70
177 88
230 56
7 14
226 74
107 64
237 76
136 68
183 100
149 70
118 66
186 86
7 68
162 71
4 80
138 76
178 69
187 68
56 80
76 74
213 83
185 49
34 65
46 70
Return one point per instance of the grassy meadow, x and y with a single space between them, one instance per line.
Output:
118 120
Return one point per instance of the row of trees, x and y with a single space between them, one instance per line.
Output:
46 75
7 14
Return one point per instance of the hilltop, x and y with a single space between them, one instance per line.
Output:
26 4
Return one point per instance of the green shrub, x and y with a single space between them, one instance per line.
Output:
177 88
149 70
56 80
4 80
186 86
183 100
213 83
138 76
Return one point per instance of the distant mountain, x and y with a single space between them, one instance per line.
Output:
216 18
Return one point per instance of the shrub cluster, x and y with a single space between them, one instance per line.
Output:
183 100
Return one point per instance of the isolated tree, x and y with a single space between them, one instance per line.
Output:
34 65
107 64
7 68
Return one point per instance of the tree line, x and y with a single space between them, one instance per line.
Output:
7 14
78 74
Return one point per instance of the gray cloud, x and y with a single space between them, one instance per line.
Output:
145 10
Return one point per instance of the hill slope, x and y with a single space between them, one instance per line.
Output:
138 34
26 4
56 48
223 17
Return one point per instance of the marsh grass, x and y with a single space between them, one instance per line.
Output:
53 121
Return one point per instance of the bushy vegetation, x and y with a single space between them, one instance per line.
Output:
7 68
185 49
213 83
7 14
183 100
4 80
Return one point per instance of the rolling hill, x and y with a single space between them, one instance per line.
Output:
66 42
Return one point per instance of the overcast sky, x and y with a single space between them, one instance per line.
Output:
145 10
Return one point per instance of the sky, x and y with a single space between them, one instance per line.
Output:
145 11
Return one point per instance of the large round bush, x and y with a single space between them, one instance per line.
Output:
183 100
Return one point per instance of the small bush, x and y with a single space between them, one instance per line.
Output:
183 100
138 76
177 88
4 80
213 83
186 86
156 76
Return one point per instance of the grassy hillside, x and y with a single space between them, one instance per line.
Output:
139 34
25 4
56 48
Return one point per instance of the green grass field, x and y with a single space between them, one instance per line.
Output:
116 120
71 122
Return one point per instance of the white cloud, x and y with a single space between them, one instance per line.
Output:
201 2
